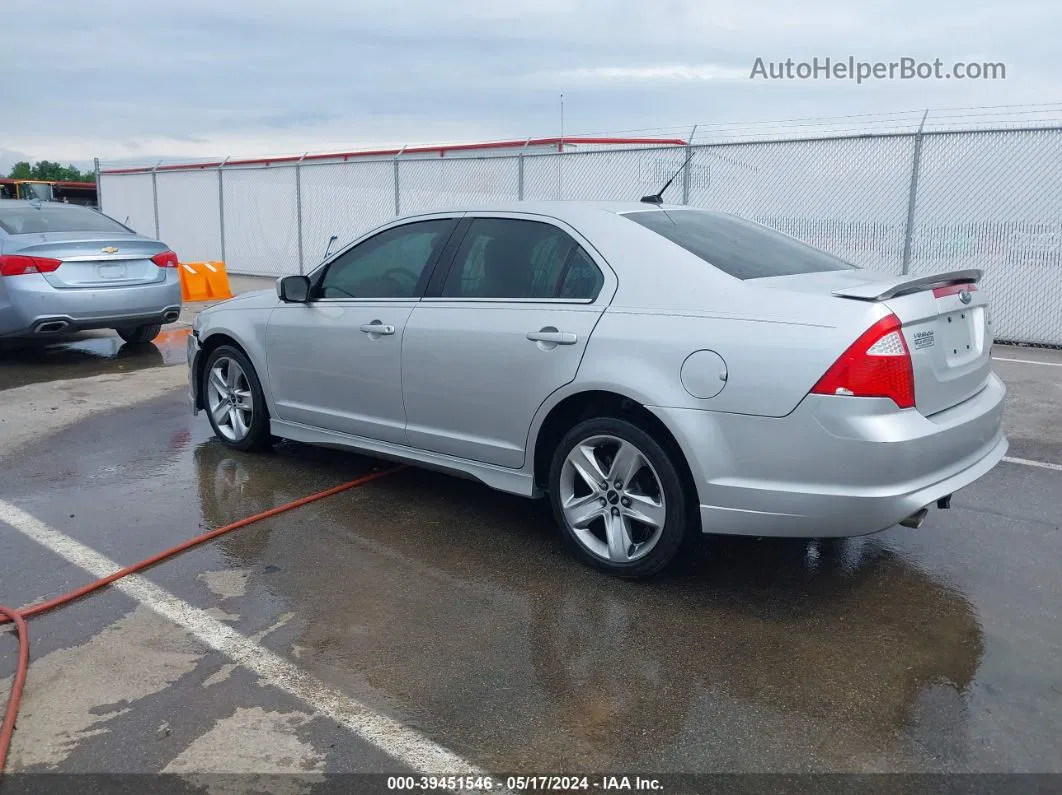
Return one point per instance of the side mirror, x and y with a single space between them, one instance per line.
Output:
294 289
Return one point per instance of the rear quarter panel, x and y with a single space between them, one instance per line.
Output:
670 303
771 364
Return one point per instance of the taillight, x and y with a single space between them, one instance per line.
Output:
954 289
18 264
878 364
165 259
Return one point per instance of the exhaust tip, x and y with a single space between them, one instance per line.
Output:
915 519
171 316
51 327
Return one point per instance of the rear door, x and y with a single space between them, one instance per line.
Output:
498 332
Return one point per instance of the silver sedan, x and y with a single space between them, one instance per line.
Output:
659 372
67 268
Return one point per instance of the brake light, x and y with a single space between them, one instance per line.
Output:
878 364
165 259
954 289
19 264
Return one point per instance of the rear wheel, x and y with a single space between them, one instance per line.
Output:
138 335
234 400
618 497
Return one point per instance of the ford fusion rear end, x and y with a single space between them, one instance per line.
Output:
902 411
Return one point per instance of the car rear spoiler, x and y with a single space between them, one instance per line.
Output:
901 285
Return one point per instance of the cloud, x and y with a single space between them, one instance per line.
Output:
202 77
8 158
670 72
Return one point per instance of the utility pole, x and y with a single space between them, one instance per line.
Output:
561 147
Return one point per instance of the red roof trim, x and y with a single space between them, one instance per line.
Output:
410 150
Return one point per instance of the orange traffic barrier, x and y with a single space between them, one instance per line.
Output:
194 285
204 281
217 280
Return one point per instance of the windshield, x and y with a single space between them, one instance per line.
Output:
37 190
22 219
741 248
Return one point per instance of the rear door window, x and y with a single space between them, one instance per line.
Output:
741 248
505 258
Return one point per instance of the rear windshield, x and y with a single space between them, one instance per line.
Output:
25 219
740 248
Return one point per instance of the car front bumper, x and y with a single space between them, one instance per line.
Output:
835 467
32 306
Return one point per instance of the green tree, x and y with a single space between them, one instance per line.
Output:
50 170
21 170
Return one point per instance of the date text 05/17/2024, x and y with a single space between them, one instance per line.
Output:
518 783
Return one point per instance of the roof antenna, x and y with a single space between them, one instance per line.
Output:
658 198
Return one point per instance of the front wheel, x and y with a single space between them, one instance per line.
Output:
234 400
138 335
618 497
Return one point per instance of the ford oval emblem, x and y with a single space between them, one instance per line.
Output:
965 296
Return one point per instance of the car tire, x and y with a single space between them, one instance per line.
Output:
238 414
615 539
138 335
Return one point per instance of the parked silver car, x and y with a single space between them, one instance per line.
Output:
67 268
657 371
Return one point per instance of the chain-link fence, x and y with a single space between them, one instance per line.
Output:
904 202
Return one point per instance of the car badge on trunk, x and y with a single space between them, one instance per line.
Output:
109 250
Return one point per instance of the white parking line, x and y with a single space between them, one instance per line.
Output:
399 742
1027 463
1026 361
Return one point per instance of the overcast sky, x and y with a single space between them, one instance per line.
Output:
150 79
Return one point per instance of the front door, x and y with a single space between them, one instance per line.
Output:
335 361
509 327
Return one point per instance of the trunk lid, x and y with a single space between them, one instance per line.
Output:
946 325
92 261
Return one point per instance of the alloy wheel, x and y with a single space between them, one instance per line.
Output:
229 399
612 499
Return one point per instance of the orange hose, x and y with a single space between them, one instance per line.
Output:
18 617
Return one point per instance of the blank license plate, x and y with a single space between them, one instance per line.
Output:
963 334
109 272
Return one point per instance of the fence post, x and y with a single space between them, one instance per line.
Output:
398 195
298 208
221 205
99 189
155 196
686 173
520 172
912 197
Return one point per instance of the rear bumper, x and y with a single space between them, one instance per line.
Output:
835 467
29 306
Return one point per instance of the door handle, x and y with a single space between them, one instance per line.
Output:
377 328
556 337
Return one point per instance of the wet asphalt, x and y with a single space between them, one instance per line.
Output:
85 354
458 611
